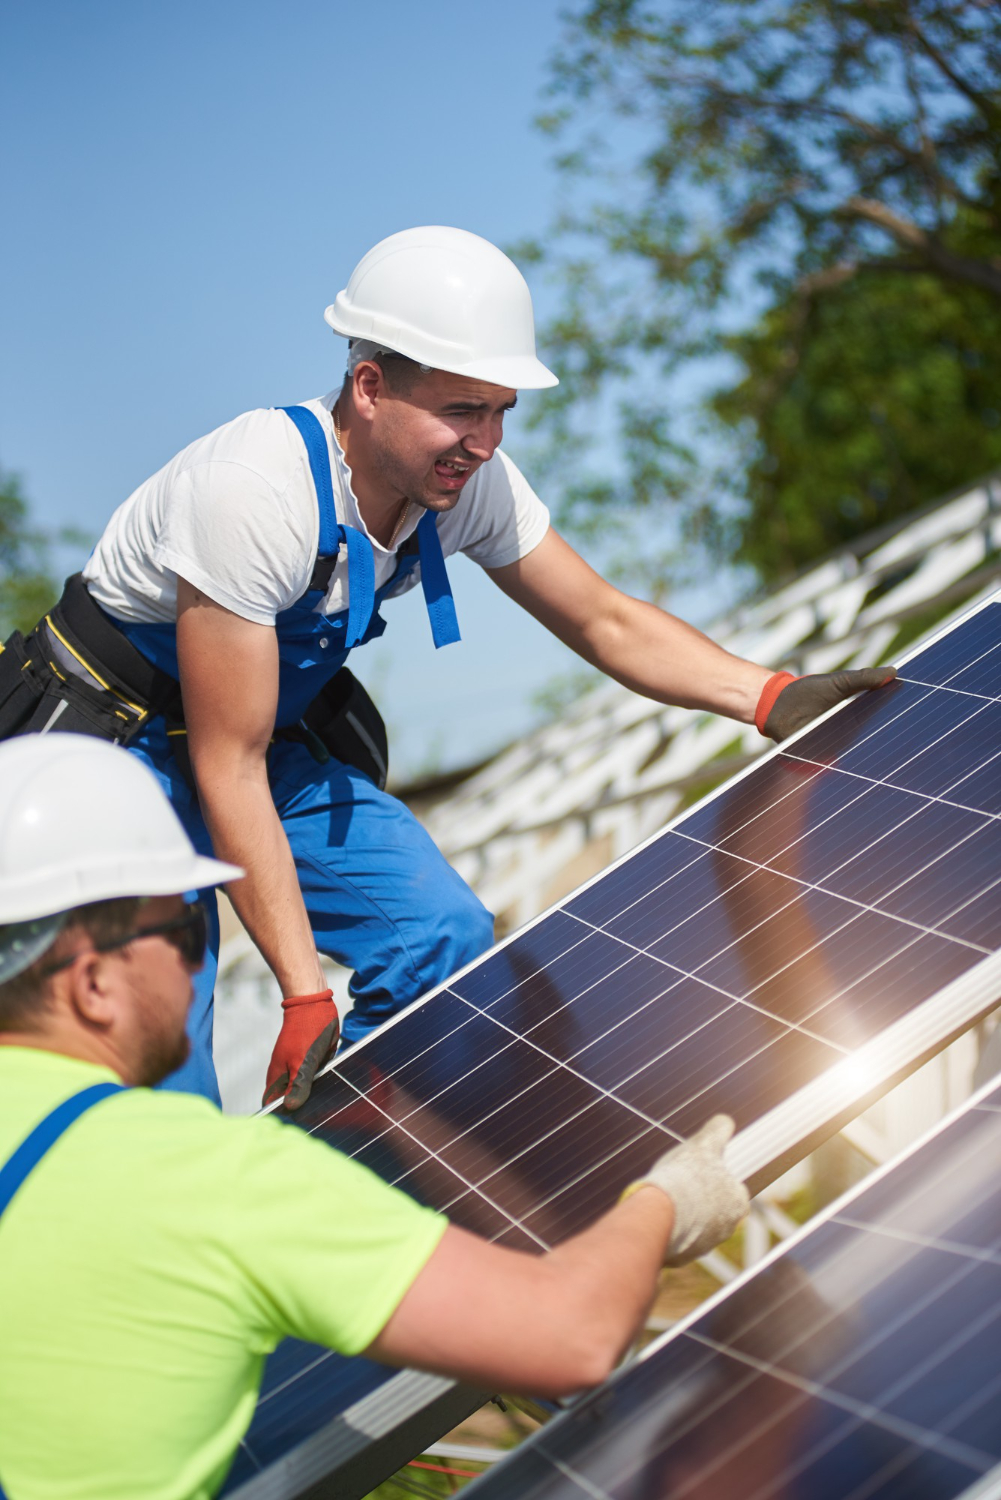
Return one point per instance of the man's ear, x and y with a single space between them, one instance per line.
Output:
369 383
90 982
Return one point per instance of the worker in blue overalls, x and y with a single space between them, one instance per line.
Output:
250 565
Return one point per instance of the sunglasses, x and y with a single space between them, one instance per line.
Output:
188 933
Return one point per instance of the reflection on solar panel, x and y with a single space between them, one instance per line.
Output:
862 1361
783 952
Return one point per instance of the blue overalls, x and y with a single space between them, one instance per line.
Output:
381 899
19 1166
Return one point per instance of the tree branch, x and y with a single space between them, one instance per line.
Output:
946 262
805 294
930 167
980 101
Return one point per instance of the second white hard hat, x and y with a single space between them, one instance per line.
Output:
82 820
448 299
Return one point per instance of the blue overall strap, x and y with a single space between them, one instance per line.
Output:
361 583
319 466
434 581
361 559
37 1142
45 1134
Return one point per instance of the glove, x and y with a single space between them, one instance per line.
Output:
788 702
709 1202
308 1039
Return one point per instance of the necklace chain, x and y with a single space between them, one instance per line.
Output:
401 518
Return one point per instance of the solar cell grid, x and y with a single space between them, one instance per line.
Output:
863 1362
807 910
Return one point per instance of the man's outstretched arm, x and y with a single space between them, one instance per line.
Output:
660 656
553 1324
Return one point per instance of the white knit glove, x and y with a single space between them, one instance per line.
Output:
709 1202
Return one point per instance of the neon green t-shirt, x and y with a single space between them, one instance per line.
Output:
149 1264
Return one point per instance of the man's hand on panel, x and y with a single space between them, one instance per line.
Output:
308 1039
787 703
709 1202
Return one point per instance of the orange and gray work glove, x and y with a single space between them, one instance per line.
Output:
307 1040
709 1202
787 703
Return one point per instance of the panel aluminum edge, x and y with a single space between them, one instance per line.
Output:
830 1211
761 1152
367 1442
988 1487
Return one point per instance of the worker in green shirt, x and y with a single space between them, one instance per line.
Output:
153 1251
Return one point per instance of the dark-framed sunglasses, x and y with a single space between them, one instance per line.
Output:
188 933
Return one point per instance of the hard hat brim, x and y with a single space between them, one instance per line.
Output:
43 895
209 872
23 943
519 372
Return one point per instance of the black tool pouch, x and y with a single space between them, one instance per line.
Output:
20 688
34 697
349 727
76 672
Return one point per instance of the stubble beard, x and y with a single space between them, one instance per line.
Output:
163 1051
162 1058
398 476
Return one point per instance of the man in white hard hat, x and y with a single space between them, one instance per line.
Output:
251 564
153 1251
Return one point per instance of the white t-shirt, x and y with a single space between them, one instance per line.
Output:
235 513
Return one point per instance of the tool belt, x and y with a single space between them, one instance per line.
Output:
77 672
342 723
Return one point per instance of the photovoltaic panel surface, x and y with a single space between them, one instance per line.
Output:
861 1362
780 952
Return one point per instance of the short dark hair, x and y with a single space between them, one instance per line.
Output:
27 996
401 372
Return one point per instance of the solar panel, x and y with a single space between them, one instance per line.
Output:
861 1361
782 952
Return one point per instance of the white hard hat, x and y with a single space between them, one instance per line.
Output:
82 820
448 299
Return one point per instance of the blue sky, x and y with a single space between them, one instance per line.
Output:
187 187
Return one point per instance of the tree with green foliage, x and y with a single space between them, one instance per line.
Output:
780 267
893 399
27 587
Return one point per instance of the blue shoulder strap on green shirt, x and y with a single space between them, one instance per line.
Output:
19 1166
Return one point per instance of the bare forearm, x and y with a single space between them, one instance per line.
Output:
611 1269
664 658
641 646
229 683
549 1324
242 820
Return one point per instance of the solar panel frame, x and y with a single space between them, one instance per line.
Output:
366 1443
541 1469
765 1147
